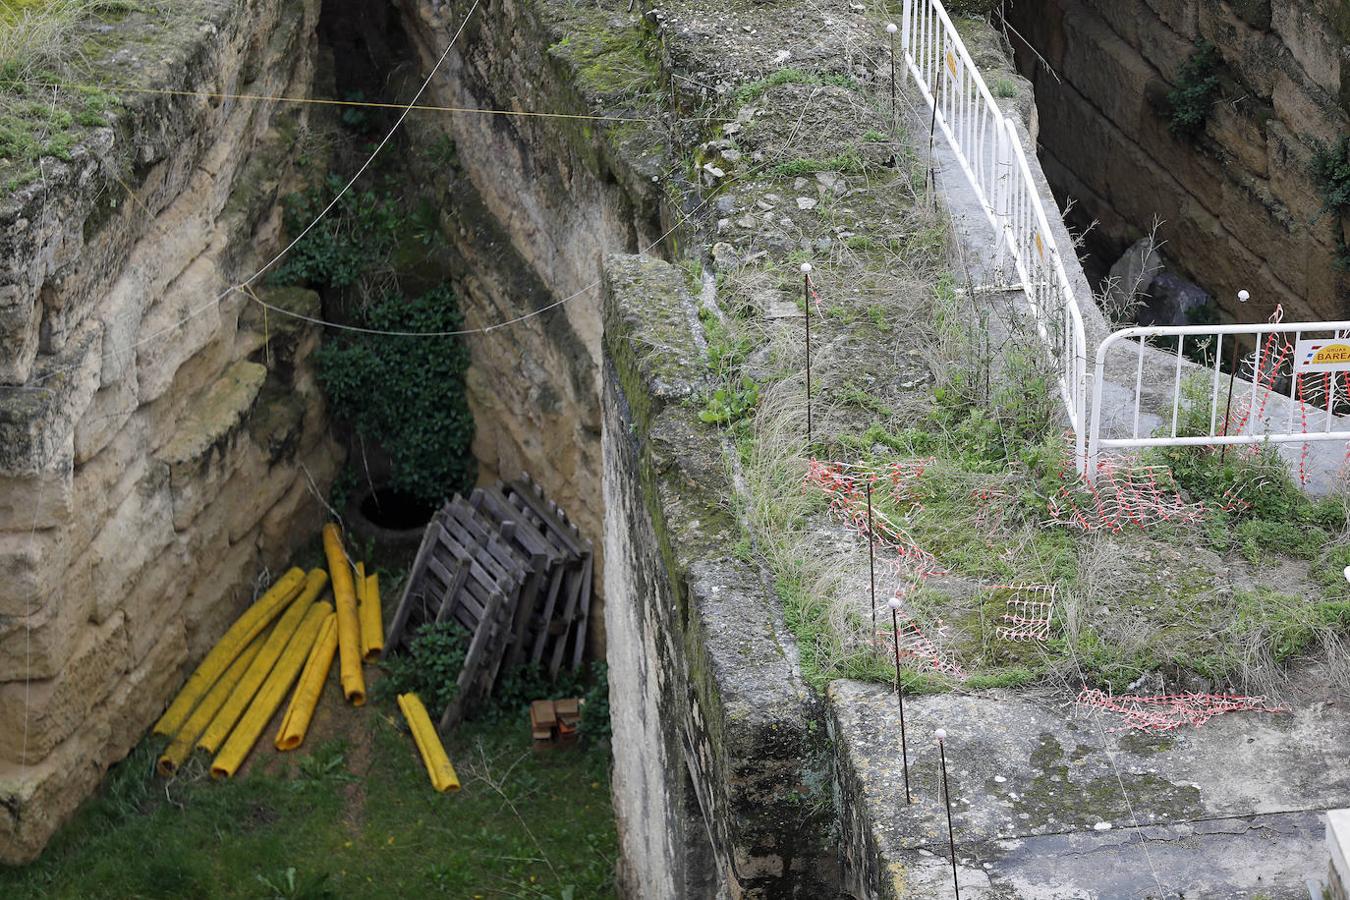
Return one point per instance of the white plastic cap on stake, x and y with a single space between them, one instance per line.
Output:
806 268
941 735
1244 296
890 28
895 602
1346 573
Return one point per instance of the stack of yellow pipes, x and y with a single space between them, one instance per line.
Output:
289 634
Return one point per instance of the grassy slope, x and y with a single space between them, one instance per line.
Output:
526 824
1227 602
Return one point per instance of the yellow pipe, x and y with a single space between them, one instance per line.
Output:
181 746
296 721
443 777
273 692
240 635
349 627
223 723
372 620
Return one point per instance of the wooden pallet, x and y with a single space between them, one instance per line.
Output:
508 566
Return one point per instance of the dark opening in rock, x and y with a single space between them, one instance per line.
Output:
394 510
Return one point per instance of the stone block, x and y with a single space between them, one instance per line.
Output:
1312 41
20 316
112 406
35 566
144 692
1182 16
37 421
204 452
1106 70
1303 114
154 603
38 645
133 535
1241 135
46 712
35 800
218 594
102 483
279 335
181 323
39 501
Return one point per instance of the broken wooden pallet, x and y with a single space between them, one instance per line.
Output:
508 565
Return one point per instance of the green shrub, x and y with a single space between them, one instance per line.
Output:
407 393
430 667
1331 174
1197 88
354 237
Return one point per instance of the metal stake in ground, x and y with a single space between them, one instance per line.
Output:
871 558
890 30
900 691
947 798
806 299
1243 296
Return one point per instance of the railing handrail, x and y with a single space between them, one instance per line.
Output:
1140 334
962 53
996 166
1254 328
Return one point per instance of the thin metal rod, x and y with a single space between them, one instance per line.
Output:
806 298
1228 406
951 833
900 695
871 558
894 120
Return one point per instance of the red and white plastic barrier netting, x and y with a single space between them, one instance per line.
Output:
1030 607
1167 712
908 563
914 645
1124 494
847 488
1274 362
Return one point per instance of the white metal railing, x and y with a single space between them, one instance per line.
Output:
1281 398
989 151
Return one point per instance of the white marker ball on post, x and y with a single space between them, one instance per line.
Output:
890 28
806 268
1346 573
895 602
1244 296
941 735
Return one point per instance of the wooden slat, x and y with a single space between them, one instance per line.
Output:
581 627
397 626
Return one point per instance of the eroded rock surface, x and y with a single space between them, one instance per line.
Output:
160 444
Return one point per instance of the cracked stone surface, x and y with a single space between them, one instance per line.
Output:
1229 809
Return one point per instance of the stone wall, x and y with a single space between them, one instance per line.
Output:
721 772
1240 209
530 204
160 445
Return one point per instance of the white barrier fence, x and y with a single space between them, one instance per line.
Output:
1296 374
987 146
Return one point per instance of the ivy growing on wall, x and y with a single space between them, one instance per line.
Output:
407 393
402 394
1197 88
1331 174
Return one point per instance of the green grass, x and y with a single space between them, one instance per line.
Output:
526 824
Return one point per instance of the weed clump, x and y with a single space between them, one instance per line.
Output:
1190 102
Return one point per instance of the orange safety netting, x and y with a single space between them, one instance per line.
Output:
1123 494
1167 712
847 488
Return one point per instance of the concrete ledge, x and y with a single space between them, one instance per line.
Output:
719 769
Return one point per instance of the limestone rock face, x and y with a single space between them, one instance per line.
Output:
158 437
1238 204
